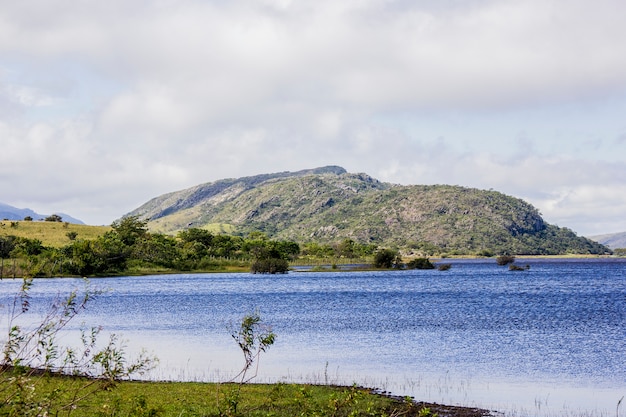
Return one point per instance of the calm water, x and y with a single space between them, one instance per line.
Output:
547 341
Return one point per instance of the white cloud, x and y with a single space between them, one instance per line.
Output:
116 102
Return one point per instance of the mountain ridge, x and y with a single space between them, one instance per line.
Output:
8 212
328 204
611 240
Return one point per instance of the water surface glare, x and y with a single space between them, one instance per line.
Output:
547 341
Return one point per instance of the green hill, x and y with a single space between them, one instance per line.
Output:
328 205
54 234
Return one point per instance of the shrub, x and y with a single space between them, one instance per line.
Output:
54 218
420 263
269 266
387 258
505 259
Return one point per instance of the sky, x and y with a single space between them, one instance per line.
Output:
107 104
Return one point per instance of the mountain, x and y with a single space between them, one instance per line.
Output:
612 240
8 212
328 205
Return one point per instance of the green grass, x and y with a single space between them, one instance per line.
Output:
52 234
130 398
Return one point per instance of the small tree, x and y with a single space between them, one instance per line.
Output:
420 263
387 258
505 260
270 257
54 218
130 229
253 338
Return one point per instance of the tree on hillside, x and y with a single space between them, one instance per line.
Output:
54 218
130 229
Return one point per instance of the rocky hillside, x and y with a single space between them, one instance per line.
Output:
327 205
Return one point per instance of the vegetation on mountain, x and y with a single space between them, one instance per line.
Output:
261 223
329 205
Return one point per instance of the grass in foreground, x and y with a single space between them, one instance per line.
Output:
187 399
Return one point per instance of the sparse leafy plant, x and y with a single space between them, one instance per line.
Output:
253 338
31 355
426 412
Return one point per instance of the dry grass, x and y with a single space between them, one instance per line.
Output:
52 234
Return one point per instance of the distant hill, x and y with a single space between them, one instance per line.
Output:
328 205
8 212
612 240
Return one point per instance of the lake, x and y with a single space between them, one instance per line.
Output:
550 340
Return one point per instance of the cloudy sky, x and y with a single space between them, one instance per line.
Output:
106 104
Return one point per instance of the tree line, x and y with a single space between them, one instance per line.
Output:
129 246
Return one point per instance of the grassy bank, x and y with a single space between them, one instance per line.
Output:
52 234
130 398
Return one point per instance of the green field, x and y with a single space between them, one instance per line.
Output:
53 234
57 396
